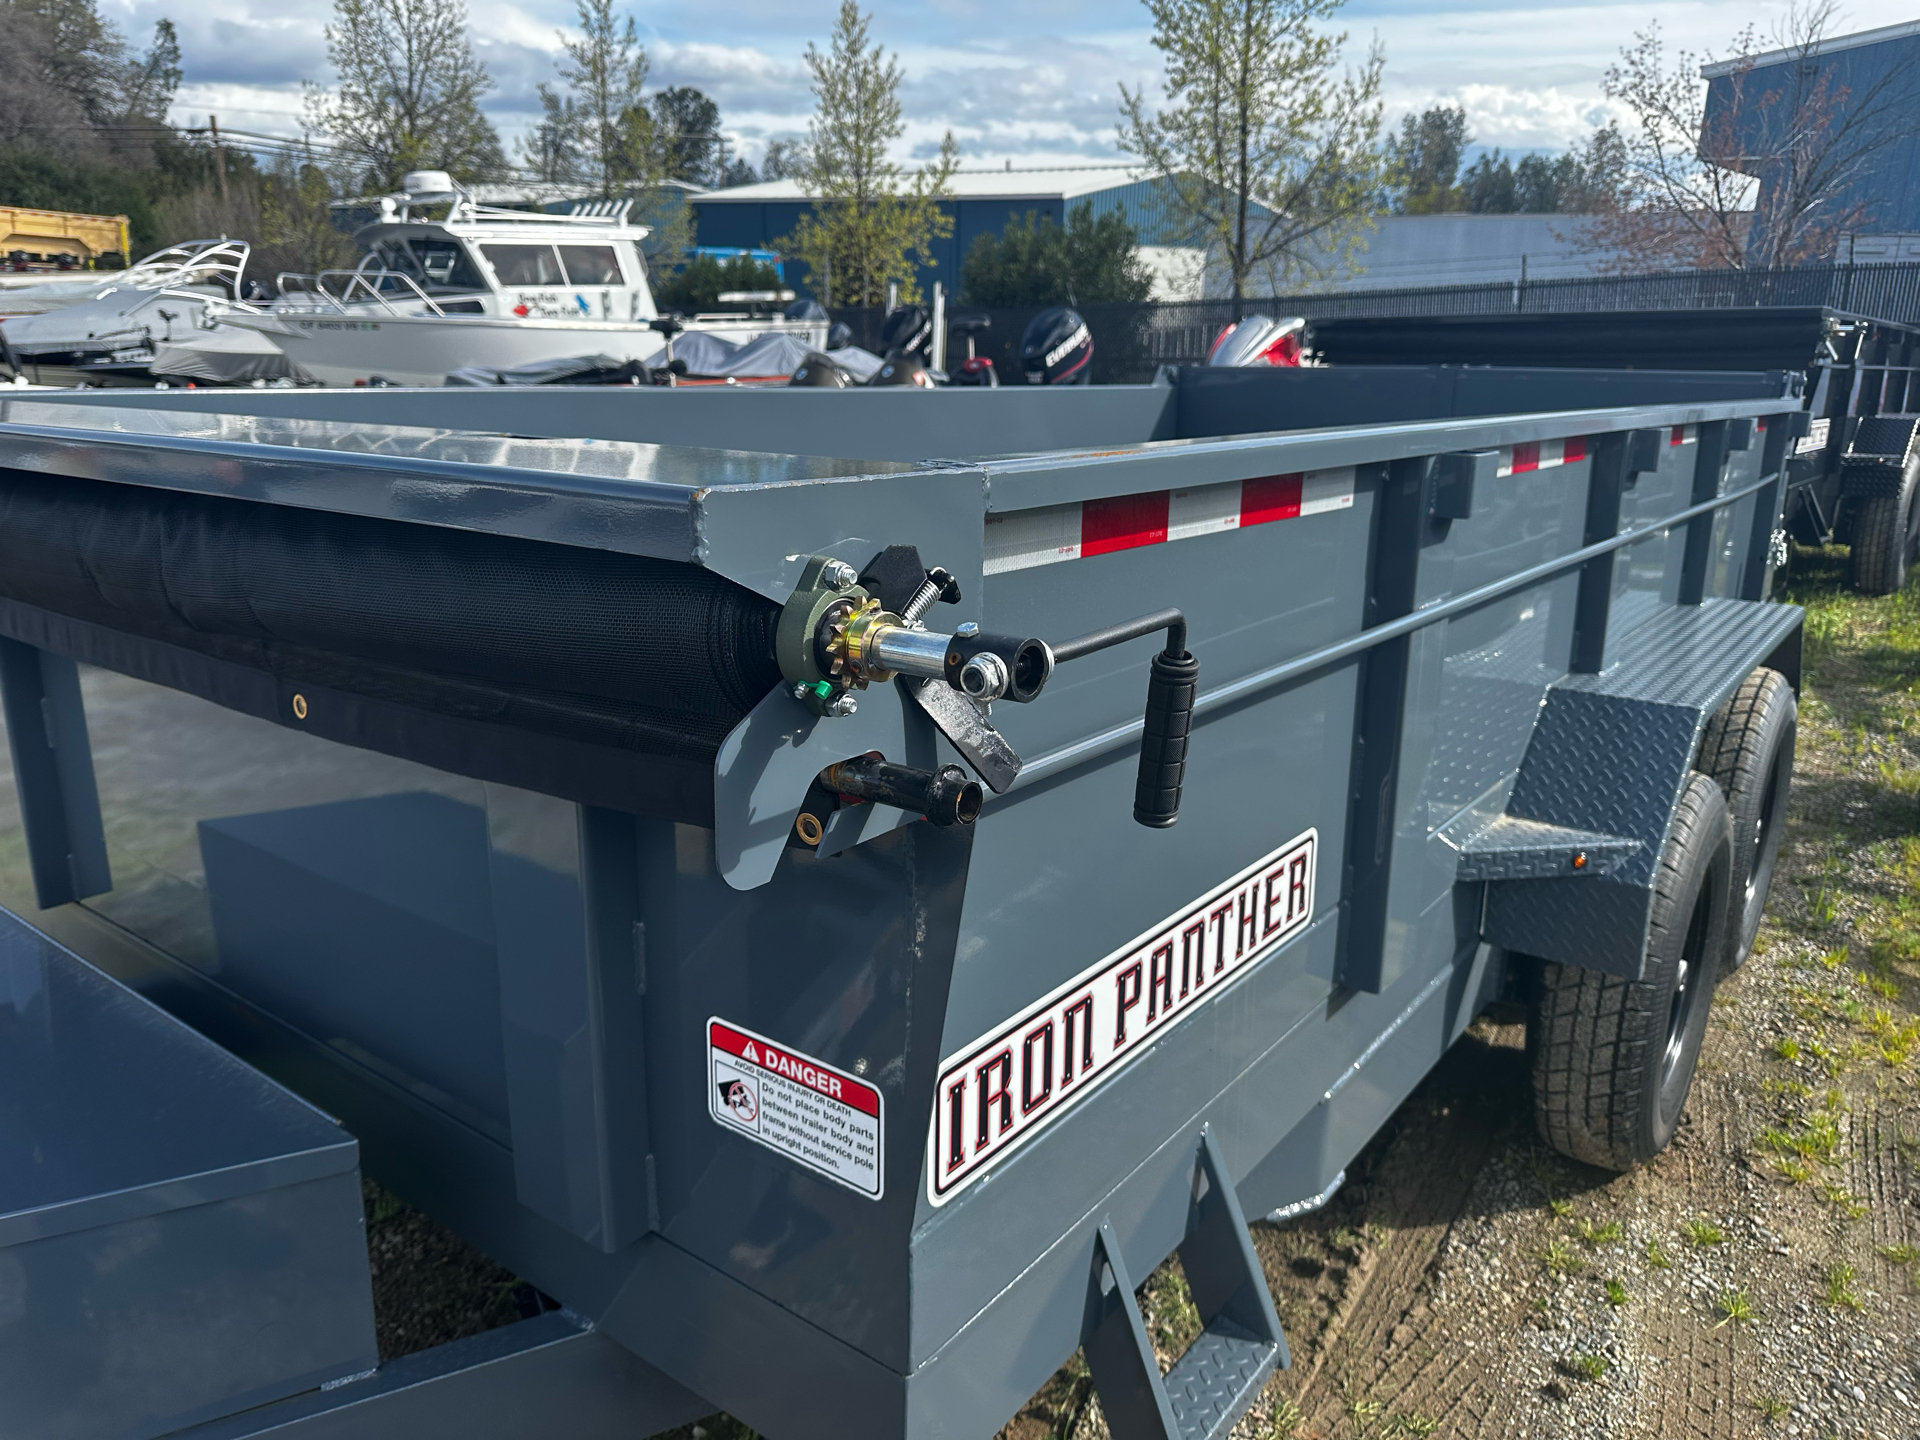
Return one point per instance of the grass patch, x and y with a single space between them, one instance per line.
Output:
1616 1292
1656 1257
1786 1048
1902 1254
1409 1422
1772 1408
1604 1233
1588 1367
1837 1289
1560 1258
1702 1233
1285 1421
1560 1208
1733 1308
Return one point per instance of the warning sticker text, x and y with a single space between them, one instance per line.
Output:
826 1119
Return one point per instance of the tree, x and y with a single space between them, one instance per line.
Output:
1581 182
698 284
1763 175
602 124
297 232
1036 262
785 159
1427 155
1270 160
864 230
688 126
409 92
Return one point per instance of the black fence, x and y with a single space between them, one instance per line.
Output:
1131 341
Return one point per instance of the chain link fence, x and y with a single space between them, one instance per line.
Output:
1130 341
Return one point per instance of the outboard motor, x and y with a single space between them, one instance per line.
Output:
1260 340
903 369
1057 349
817 372
906 330
839 335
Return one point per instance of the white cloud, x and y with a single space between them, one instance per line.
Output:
1035 81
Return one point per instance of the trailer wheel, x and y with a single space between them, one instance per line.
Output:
1747 749
1613 1059
1886 532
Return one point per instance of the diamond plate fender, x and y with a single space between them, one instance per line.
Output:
1610 755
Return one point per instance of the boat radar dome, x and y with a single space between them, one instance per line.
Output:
426 184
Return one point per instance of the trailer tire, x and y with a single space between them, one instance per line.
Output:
1613 1059
1747 749
1886 532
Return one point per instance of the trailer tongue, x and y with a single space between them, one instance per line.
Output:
703 879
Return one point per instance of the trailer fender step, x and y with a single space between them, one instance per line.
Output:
1510 848
1609 758
1224 1370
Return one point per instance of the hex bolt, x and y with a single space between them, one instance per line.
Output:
984 676
839 575
841 706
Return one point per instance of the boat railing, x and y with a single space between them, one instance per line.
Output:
221 263
355 287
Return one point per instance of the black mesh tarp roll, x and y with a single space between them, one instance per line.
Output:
638 653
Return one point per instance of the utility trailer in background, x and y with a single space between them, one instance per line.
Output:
708 880
1853 478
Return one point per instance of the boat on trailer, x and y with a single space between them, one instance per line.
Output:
480 285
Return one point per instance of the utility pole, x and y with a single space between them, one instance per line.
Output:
219 157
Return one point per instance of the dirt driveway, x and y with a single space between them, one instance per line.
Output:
1757 1279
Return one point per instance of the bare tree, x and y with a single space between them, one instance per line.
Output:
1759 174
1269 156
409 91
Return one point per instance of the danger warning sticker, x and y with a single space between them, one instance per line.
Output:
1011 1083
824 1118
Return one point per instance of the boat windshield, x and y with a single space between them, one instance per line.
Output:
554 265
439 267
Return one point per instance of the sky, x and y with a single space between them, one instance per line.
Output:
1034 82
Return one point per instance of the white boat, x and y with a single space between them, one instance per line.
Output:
109 334
37 292
482 287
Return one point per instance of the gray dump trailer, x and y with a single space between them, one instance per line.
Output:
739 889
1853 478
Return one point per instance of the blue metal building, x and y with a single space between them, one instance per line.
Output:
984 202
1869 86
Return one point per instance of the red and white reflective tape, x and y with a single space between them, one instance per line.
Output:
1022 539
1542 454
1683 435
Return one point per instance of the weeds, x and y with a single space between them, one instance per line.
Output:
1560 1258
1616 1293
1588 1367
1604 1233
1285 1421
1560 1208
1733 1308
1787 1048
1702 1233
1838 1295
1772 1408
1656 1257
1410 1423
1901 1254
1843 1200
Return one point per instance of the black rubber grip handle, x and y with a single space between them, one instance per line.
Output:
1172 682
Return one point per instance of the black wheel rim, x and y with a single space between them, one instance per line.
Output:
1692 979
